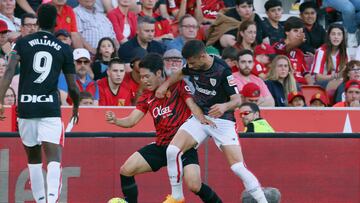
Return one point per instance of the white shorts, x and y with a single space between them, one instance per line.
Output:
224 133
33 131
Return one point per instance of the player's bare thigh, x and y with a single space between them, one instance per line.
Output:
183 140
232 153
134 165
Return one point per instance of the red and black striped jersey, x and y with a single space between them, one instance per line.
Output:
168 113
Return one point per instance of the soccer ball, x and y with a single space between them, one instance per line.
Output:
117 200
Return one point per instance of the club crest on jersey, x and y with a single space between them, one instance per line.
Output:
213 81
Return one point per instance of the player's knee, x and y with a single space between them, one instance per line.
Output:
126 171
194 185
172 151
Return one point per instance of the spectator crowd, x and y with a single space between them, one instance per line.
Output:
274 62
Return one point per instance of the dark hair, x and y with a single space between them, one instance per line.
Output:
115 60
244 26
245 52
306 5
230 53
181 20
254 107
193 48
271 4
348 68
98 54
14 93
86 95
238 2
154 62
27 15
293 23
145 19
47 14
342 48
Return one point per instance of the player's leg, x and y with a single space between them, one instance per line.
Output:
192 178
226 138
28 134
51 134
188 136
149 158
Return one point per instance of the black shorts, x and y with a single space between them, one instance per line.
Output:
155 156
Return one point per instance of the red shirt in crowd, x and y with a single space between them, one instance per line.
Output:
297 60
66 19
168 113
107 98
162 25
259 68
117 18
210 8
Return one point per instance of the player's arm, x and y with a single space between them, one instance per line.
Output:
5 82
218 110
197 112
74 94
126 122
176 77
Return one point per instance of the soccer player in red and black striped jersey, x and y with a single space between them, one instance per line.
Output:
168 114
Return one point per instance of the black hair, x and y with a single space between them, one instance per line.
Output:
271 4
254 107
154 62
27 15
245 52
115 60
230 53
250 2
293 23
47 14
85 95
145 19
98 55
306 5
193 48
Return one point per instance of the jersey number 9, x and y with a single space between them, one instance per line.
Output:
42 64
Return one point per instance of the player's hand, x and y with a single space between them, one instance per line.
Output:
217 110
206 121
2 110
110 117
161 91
75 115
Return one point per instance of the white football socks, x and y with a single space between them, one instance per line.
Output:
53 180
37 182
175 171
251 183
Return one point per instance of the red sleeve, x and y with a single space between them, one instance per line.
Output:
184 90
280 48
132 17
118 25
142 103
73 27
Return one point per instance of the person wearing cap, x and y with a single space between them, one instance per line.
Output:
84 80
63 36
7 10
263 55
113 90
294 31
92 25
296 99
5 45
250 93
173 62
244 76
352 94
318 100
315 34
144 39
272 24
250 116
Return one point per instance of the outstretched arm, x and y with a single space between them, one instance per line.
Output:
5 82
126 122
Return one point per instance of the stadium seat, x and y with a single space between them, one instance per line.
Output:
309 90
